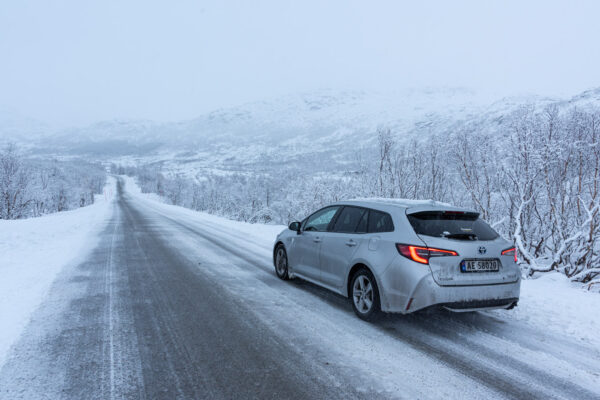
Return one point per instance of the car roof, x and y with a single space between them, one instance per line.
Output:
410 206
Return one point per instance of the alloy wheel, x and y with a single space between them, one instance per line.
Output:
281 262
362 294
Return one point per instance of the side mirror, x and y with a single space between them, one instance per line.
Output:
295 226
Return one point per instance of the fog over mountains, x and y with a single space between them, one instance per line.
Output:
317 129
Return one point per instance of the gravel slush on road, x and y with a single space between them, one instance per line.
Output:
176 304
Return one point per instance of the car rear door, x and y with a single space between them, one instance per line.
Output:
340 245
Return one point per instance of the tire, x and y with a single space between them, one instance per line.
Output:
364 295
281 263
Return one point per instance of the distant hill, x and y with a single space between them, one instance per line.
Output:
318 129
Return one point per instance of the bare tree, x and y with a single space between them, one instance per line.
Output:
14 181
386 177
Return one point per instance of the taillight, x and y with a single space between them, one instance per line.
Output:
510 252
422 254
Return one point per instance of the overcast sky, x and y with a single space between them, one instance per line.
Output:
76 61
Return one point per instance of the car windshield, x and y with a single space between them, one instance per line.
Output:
452 225
320 220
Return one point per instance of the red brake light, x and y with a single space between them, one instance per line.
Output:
422 254
510 252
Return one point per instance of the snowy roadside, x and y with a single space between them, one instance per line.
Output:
33 252
551 302
262 234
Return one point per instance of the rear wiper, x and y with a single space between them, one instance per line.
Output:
461 236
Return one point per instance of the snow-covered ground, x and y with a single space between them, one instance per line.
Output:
559 305
259 233
550 301
33 252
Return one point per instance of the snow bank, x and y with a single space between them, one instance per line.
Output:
262 234
32 253
558 305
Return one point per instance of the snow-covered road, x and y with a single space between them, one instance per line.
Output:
178 304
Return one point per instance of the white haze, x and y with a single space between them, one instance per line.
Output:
72 63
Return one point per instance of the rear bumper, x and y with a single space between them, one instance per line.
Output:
426 292
478 305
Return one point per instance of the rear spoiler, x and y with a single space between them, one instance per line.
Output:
447 211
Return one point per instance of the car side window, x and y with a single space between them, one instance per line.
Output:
349 219
362 224
380 222
320 220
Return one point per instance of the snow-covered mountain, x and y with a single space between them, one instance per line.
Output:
285 120
17 127
317 129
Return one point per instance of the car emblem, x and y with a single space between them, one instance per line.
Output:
482 250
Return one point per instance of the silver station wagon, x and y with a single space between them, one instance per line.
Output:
401 256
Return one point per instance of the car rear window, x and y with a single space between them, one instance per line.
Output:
380 222
452 225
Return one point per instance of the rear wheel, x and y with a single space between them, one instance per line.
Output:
281 263
365 295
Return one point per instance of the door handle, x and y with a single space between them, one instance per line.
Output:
351 243
317 239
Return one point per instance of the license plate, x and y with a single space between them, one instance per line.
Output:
480 266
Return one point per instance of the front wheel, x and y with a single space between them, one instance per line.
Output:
365 295
281 263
